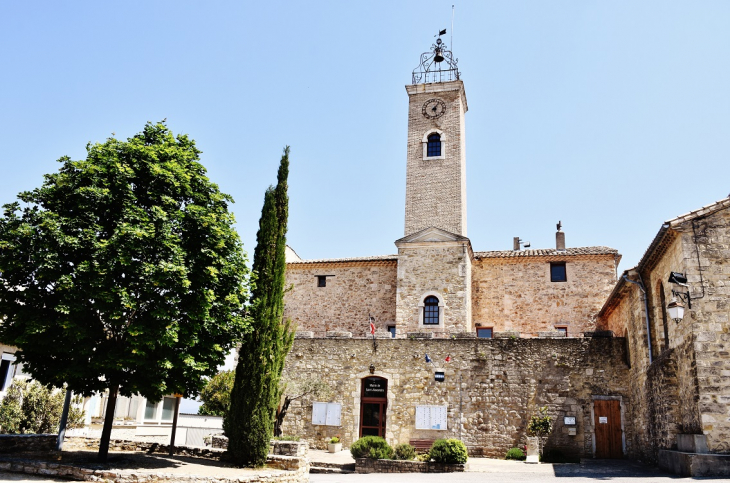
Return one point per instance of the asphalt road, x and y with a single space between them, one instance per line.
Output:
500 471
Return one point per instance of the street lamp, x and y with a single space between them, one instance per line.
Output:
676 310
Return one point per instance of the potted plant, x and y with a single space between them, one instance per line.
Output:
334 445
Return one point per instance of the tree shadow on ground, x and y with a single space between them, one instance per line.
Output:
608 470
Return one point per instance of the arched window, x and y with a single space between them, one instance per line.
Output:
431 311
434 145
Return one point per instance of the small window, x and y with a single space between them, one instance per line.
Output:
4 374
391 329
150 410
434 145
431 311
168 408
484 332
321 280
563 330
557 272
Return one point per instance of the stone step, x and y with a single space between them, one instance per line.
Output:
342 466
331 470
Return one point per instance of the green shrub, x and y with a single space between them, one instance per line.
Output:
30 407
424 457
449 451
405 451
515 454
373 447
334 440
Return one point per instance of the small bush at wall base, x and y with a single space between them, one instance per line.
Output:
372 447
450 451
405 451
424 457
515 454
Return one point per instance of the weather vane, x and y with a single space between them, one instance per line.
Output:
437 65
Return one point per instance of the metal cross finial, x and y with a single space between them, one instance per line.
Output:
560 225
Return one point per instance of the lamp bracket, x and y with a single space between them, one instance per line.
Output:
684 297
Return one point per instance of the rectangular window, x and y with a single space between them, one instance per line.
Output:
168 408
4 374
557 272
562 329
321 280
484 332
391 329
150 410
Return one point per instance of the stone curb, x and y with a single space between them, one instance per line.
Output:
35 467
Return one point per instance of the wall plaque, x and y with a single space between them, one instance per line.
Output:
602 419
439 376
569 420
375 387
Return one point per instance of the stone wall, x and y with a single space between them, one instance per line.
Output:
681 385
706 256
21 443
354 290
367 465
441 269
516 294
492 387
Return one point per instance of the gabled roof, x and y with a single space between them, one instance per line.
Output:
376 258
704 211
667 234
664 237
548 252
431 234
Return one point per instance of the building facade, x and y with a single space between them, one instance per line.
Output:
439 340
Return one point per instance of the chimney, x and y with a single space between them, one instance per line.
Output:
516 244
560 238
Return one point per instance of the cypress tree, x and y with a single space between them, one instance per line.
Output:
255 396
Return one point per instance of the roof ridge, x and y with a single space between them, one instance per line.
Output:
716 206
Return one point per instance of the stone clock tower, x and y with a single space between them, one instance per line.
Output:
436 165
434 257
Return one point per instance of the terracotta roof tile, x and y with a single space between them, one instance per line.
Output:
548 252
376 258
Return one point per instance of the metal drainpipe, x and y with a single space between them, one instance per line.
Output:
646 313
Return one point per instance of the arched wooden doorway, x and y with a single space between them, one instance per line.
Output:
373 404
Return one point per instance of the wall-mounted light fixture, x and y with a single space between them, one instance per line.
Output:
372 368
676 308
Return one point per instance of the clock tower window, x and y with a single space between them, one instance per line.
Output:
434 145
433 148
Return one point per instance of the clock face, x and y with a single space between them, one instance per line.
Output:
433 108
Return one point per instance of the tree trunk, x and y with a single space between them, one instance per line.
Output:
106 433
280 413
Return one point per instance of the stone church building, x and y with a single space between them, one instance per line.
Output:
439 340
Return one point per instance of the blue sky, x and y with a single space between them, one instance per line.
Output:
610 116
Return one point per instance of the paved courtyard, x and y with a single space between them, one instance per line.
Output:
484 470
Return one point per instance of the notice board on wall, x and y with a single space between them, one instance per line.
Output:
431 417
327 414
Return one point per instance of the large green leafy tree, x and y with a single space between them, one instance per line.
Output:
216 395
123 272
256 391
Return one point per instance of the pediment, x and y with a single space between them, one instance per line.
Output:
431 234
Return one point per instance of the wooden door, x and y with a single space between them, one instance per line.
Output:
607 423
372 420
373 406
